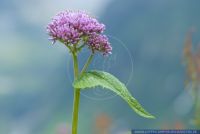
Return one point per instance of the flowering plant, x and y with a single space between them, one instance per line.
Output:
77 29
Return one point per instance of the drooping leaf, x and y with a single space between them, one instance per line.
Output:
99 78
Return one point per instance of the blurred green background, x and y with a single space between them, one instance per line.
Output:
148 39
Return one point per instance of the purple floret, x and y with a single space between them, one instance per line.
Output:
71 27
98 42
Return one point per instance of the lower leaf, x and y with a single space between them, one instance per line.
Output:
99 78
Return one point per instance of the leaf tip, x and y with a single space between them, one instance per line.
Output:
148 115
151 117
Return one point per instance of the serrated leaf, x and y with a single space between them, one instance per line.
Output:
99 78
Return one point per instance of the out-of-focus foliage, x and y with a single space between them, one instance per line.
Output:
192 60
154 31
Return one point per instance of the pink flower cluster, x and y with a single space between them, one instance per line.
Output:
71 27
100 43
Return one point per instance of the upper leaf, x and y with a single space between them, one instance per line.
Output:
106 80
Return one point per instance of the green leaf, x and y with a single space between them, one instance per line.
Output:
99 78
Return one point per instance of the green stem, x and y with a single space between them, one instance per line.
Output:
70 49
77 91
79 49
76 97
87 63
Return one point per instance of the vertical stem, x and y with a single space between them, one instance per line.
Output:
77 91
76 96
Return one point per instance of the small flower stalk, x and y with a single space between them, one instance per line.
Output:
77 29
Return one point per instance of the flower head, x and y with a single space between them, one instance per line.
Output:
100 43
71 27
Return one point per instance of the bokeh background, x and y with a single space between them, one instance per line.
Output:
148 38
